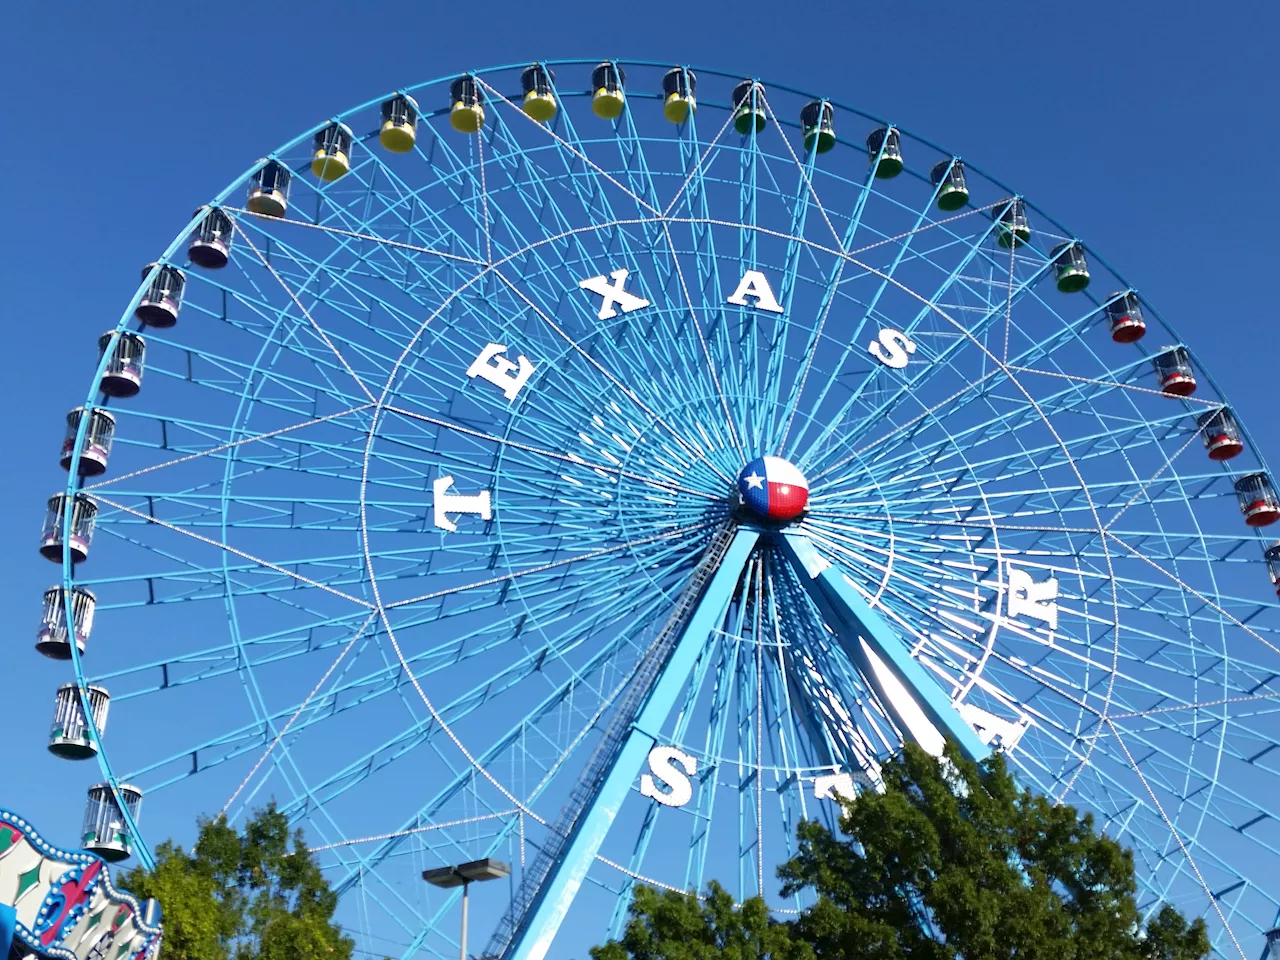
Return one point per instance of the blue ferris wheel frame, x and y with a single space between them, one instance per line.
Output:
173 255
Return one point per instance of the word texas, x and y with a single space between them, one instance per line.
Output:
891 347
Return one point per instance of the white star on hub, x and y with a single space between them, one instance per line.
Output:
754 481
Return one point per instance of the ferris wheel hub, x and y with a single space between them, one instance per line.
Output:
773 488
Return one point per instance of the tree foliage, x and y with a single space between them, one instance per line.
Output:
952 861
666 925
252 895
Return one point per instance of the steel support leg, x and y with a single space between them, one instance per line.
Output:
533 937
914 700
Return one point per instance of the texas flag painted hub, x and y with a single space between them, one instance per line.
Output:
773 488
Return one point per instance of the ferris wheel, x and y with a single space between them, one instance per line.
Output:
602 467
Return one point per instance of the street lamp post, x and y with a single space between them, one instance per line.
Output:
463 875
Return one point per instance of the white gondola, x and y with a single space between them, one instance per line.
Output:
160 304
210 243
69 735
105 833
123 374
98 434
84 513
53 639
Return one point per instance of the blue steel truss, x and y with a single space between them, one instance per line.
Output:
1014 539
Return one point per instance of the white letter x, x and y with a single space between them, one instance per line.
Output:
613 293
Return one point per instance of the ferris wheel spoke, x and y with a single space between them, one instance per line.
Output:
692 196
574 146
695 161
789 406
1158 545
985 457
546 272
937 359
888 277
531 186
859 628
1243 746
1188 589
600 211
552 454
808 665
460 179
450 654
750 321
1137 770
1108 380
1172 668
804 169
232 550
374 238
916 601
991 431
175 669
726 654
657 239
342 286
319 332
710 364
208 432
550 705
1068 399
625 390
221 375
797 206
674 538
402 215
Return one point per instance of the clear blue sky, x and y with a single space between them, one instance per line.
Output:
1147 128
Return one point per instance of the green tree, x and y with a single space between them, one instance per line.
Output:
252 895
952 861
666 925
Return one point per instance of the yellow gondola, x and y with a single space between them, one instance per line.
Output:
679 88
332 157
608 98
539 98
466 112
399 131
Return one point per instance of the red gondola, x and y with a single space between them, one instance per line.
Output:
1258 500
1221 434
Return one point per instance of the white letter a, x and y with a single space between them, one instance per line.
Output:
755 285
